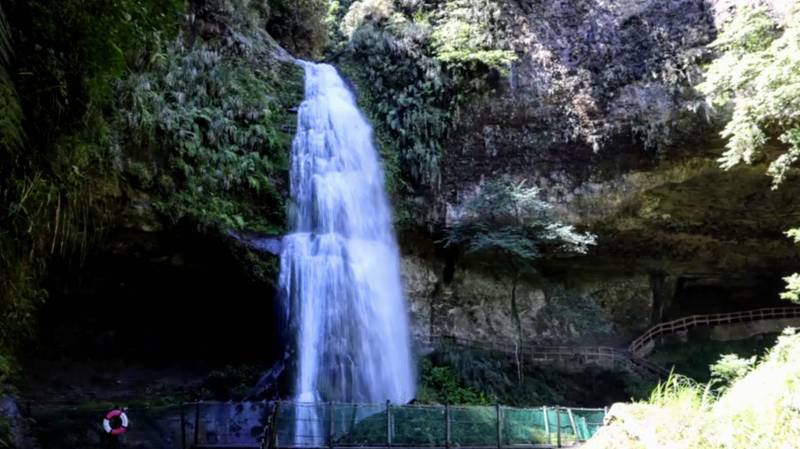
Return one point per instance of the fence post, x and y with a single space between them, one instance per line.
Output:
331 427
388 423
275 418
572 423
547 424
497 427
196 422
447 434
183 426
558 426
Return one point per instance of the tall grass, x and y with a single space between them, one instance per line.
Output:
759 410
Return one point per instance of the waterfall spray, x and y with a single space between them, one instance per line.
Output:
340 266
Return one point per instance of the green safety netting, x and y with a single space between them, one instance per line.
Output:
320 425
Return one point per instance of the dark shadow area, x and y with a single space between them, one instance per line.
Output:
191 299
711 294
178 311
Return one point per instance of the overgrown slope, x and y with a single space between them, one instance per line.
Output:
139 115
759 409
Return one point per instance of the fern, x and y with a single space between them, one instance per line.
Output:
418 66
217 114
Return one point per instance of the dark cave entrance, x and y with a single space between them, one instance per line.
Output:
700 294
179 296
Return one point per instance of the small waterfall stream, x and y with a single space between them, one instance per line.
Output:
340 273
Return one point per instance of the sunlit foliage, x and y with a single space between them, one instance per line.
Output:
509 217
469 31
758 74
363 11
757 409
442 385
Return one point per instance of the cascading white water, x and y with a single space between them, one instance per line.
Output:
340 272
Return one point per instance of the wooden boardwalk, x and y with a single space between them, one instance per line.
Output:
644 345
632 358
605 356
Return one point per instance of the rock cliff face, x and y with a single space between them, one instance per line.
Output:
477 305
599 113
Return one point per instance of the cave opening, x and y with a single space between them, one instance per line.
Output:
701 294
178 304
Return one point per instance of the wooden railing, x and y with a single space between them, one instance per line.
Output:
644 345
579 355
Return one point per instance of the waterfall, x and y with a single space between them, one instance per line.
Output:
340 272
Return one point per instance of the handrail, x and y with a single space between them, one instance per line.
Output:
586 354
642 346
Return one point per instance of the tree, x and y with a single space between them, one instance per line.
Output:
509 218
757 74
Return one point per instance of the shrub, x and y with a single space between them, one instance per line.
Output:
757 411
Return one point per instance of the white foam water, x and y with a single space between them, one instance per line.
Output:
340 266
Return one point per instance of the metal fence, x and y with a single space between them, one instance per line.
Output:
178 426
329 425
287 425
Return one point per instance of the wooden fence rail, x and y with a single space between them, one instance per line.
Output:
632 359
644 345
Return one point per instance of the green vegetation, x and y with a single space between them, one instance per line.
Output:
218 115
58 160
748 402
792 292
416 66
441 385
509 219
461 376
110 102
695 360
11 136
756 409
757 74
